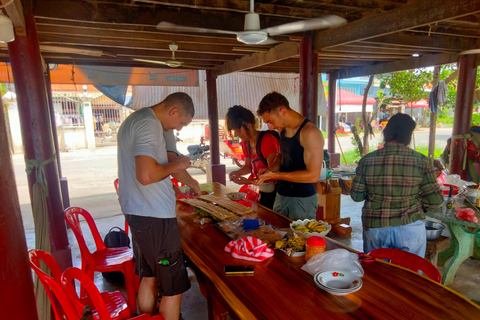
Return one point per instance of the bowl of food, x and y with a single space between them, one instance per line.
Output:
434 229
235 196
309 227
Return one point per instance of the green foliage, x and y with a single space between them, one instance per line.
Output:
352 156
408 85
476 119
444 118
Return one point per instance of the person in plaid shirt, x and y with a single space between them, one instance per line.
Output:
398 185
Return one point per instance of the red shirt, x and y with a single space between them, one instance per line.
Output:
269 145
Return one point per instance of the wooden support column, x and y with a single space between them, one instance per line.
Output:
462 116
332 91
37 134
433 117
308 80
17 297
48 89
215 170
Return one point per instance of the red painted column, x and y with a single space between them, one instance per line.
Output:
17 296
332 89
308 80
37 135
215 171
462 117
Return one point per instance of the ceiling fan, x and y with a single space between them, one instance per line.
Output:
173 63
252 33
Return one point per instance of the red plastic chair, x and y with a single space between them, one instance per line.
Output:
103 259
408 260
115 301
62 306
101 307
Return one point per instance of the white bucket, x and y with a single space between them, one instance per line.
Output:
323 173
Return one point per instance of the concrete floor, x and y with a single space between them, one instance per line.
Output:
91 173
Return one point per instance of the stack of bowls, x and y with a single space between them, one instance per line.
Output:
338 283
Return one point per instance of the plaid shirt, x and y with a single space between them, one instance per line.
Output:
397 184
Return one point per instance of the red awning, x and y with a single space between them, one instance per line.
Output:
423 103
348 98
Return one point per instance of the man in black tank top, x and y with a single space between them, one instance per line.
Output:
300 162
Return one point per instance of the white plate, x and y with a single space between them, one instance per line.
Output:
235 196
296 254
338 282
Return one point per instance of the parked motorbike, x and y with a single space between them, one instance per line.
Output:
199 155
232 150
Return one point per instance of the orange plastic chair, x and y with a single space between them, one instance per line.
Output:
103 259
408 260
115 301
62 306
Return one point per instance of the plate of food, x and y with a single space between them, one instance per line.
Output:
294 246
235 196
308 227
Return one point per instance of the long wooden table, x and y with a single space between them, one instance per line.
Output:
279 289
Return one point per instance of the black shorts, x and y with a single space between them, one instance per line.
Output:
160 253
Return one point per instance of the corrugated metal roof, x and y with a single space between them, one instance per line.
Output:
243 88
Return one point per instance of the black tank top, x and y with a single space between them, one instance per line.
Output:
292 160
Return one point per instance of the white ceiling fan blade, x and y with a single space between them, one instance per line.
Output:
151 61
306 25
167 26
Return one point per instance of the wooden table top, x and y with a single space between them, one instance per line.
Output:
279 289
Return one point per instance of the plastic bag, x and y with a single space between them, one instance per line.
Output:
334 260
466 214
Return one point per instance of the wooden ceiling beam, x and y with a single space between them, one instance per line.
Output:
243 7
14 11
356 4
413 63
149 15
407 17
434 42
111 33
280 52
141 45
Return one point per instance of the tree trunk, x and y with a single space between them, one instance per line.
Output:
366 131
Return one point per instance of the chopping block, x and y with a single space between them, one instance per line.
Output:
329 194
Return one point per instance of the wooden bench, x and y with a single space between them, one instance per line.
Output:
434 247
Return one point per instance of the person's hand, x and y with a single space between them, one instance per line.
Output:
182 162
240 180
264 176
232 175
194 192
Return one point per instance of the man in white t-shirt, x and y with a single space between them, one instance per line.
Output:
148 201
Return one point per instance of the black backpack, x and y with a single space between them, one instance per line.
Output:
258 145
115 238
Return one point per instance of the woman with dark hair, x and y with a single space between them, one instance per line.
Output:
259 147
398 185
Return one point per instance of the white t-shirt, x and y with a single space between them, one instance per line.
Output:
142 134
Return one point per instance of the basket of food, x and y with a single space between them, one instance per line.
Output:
309 227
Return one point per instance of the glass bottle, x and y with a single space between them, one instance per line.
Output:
477 203
447 206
